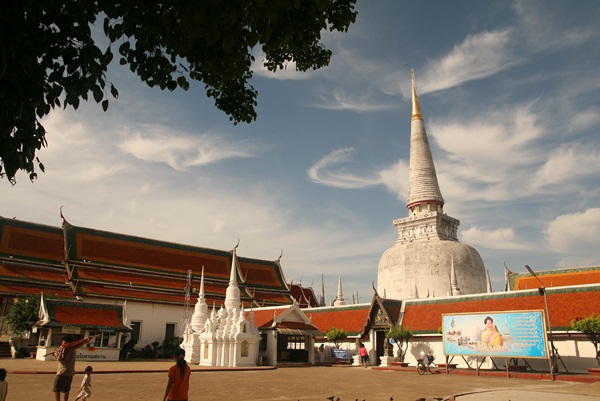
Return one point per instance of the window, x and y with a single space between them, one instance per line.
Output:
169 330
262 346
296 342
103 339
137 331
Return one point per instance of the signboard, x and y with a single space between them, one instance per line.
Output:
71 330
518 334
339 353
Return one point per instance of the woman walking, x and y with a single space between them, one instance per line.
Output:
179 379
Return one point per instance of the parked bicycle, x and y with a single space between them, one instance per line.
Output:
426 364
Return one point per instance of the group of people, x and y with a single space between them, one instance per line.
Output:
177 385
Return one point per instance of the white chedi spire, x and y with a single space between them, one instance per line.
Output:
339 299
232 296
423 187
489 282
454 281
200 309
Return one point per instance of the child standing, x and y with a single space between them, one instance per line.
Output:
3 385
85 391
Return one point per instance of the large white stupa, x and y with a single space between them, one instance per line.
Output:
427 260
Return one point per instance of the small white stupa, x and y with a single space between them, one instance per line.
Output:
226 338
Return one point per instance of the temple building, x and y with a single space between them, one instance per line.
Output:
145 284
427 259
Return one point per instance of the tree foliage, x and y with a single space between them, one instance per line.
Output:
401 336
49 59
23 314
590 326
336 336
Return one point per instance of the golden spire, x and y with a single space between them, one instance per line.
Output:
416 110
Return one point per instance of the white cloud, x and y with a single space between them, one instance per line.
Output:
395 179
567 164
500 238
478 56
501 143
321 173
75 152
585 119
544 28
181 151
289 71
577 236
342 100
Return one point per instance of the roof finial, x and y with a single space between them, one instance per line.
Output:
416 110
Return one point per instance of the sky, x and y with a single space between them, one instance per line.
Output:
510 96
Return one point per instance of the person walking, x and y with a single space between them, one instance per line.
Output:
85 391
364 355
179 379
66 355
321 353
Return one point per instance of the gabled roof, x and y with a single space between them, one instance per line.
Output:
88 316
264 317
555 278
351 318
80 261
282 317
383 313
564 304
305 297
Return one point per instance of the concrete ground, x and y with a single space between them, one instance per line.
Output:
146 380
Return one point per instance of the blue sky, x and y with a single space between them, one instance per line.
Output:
510 94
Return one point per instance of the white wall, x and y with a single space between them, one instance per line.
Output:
154 318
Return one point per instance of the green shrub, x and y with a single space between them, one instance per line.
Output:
590 326
23 314
336 336
170 345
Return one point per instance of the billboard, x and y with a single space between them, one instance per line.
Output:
517 334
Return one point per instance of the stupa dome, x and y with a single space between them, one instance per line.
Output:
424 268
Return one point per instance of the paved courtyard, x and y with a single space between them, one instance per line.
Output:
146 380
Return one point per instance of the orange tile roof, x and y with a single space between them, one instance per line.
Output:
564 305
68 315
17 237
86 315
350 318
556 278
108 264
264 317
22 289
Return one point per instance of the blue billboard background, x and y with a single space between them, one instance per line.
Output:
519 334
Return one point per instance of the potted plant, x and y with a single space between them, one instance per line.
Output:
590 326
401 336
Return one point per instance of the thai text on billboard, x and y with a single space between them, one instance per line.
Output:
516 334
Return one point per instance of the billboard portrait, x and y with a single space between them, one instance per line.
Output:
517 334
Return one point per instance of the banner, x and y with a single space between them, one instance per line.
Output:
339 353
518 334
